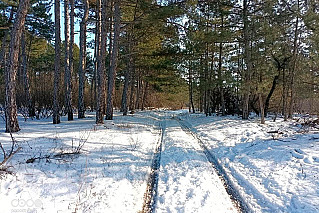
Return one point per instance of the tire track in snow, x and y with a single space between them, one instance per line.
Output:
236 198
152 183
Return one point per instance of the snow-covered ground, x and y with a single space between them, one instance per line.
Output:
109 175
187 181
273 172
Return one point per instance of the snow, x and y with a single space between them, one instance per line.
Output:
273 172
187 181
110 174
274 167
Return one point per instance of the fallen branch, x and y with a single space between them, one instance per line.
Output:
59 155
13 151
275 132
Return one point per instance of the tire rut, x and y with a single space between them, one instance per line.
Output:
236 198
152 183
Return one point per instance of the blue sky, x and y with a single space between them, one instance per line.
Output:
76 26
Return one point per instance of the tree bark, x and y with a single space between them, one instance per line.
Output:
220 80
67 73
11 115
97 38
4 42
102 16
190 87
124 107
132 82
144 96
114 58
138 91
284 94
261 106
83 29
247 56
26 84
293 69
273 87
57 61
129 70
70 69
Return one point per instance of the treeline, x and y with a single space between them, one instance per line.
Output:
243 56
222 57
129 68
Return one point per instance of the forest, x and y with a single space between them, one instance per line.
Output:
159 106
224 57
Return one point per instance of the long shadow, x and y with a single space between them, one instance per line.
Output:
257 154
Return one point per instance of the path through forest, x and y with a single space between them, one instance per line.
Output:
187 181
268 173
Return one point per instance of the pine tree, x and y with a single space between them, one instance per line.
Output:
82 65
12 124
57 45
114 61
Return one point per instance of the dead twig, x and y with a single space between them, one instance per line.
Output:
12 152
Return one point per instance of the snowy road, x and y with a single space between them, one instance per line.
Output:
187 181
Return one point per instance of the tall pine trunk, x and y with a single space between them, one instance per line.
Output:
26 84
127 79
70 68
220 79
3 52
293 69
132 86
57 61
284 94
96 52
262 109
12 124
67 72
145 94
114 58
102 16
190 87
247 56
82 65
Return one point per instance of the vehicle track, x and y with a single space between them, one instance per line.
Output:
152 183
236 198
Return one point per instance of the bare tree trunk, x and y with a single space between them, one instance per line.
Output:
247 56
262 109
190 87
220 79
129 71
273 87
95 68
284 94
96 51
12 124
132 82
293 70
206 80
144 95
110 47
138 91
102 16
70 70
66 52
114 58
3 53
126 80
57 61
83 29
27 93
67 73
